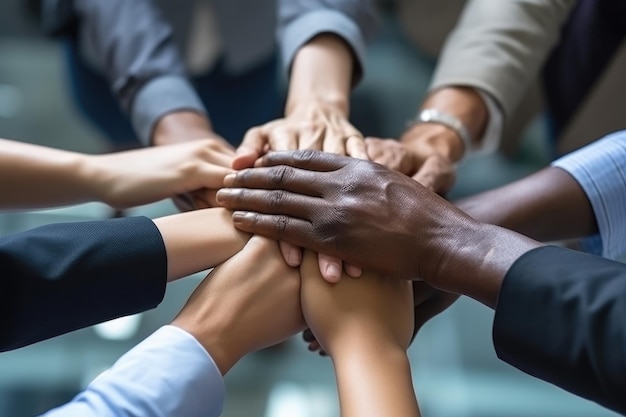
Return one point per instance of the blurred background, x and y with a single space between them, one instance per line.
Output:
455 369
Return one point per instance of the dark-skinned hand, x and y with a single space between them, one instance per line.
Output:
356 210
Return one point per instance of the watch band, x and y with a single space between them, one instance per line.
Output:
448 120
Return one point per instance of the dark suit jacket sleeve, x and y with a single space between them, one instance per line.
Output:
62 277
561 316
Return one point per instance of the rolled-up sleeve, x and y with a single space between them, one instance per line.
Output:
131 43
600 169
301 20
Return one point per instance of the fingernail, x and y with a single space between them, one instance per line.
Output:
222 194
242 216
229 180
333 272
294 257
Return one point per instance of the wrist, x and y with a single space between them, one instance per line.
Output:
464 104
95 177
214 337
357 346
180 127
476 260
329 102
321 73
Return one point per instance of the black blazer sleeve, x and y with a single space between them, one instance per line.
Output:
61 277
561 316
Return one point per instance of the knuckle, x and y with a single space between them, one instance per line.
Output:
278 175
276 200
280 225
306 155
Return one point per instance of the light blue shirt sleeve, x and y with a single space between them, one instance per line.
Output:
600 169
168 374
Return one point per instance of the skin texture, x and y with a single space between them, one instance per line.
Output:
365 325
187 126
316 113
198 240
34 176
316 117
373 218
239 308
547 205
427 152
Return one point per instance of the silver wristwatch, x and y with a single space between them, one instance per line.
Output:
448 120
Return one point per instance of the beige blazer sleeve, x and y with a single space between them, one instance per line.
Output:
499 47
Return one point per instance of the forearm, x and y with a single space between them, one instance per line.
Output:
34 176
375 381
199 240
548 205
321 73
475 260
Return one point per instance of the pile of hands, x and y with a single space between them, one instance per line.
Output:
271 290
276 300
255 300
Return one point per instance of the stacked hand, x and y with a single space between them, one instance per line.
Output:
131 178
419 155
189 127
313 125
241 307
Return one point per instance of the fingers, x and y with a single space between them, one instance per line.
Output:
279 177
311 137
376 151
306 159
283 140
251 148
212 176
437 174
353 270
296 231
270 202
183 202
356 148
292 254
334 142
331 267
313 344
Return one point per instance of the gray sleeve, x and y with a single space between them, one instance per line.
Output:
300 20
131 43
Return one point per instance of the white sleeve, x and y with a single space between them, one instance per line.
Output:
168 374
600 169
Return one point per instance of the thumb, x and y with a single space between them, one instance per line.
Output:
250 150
